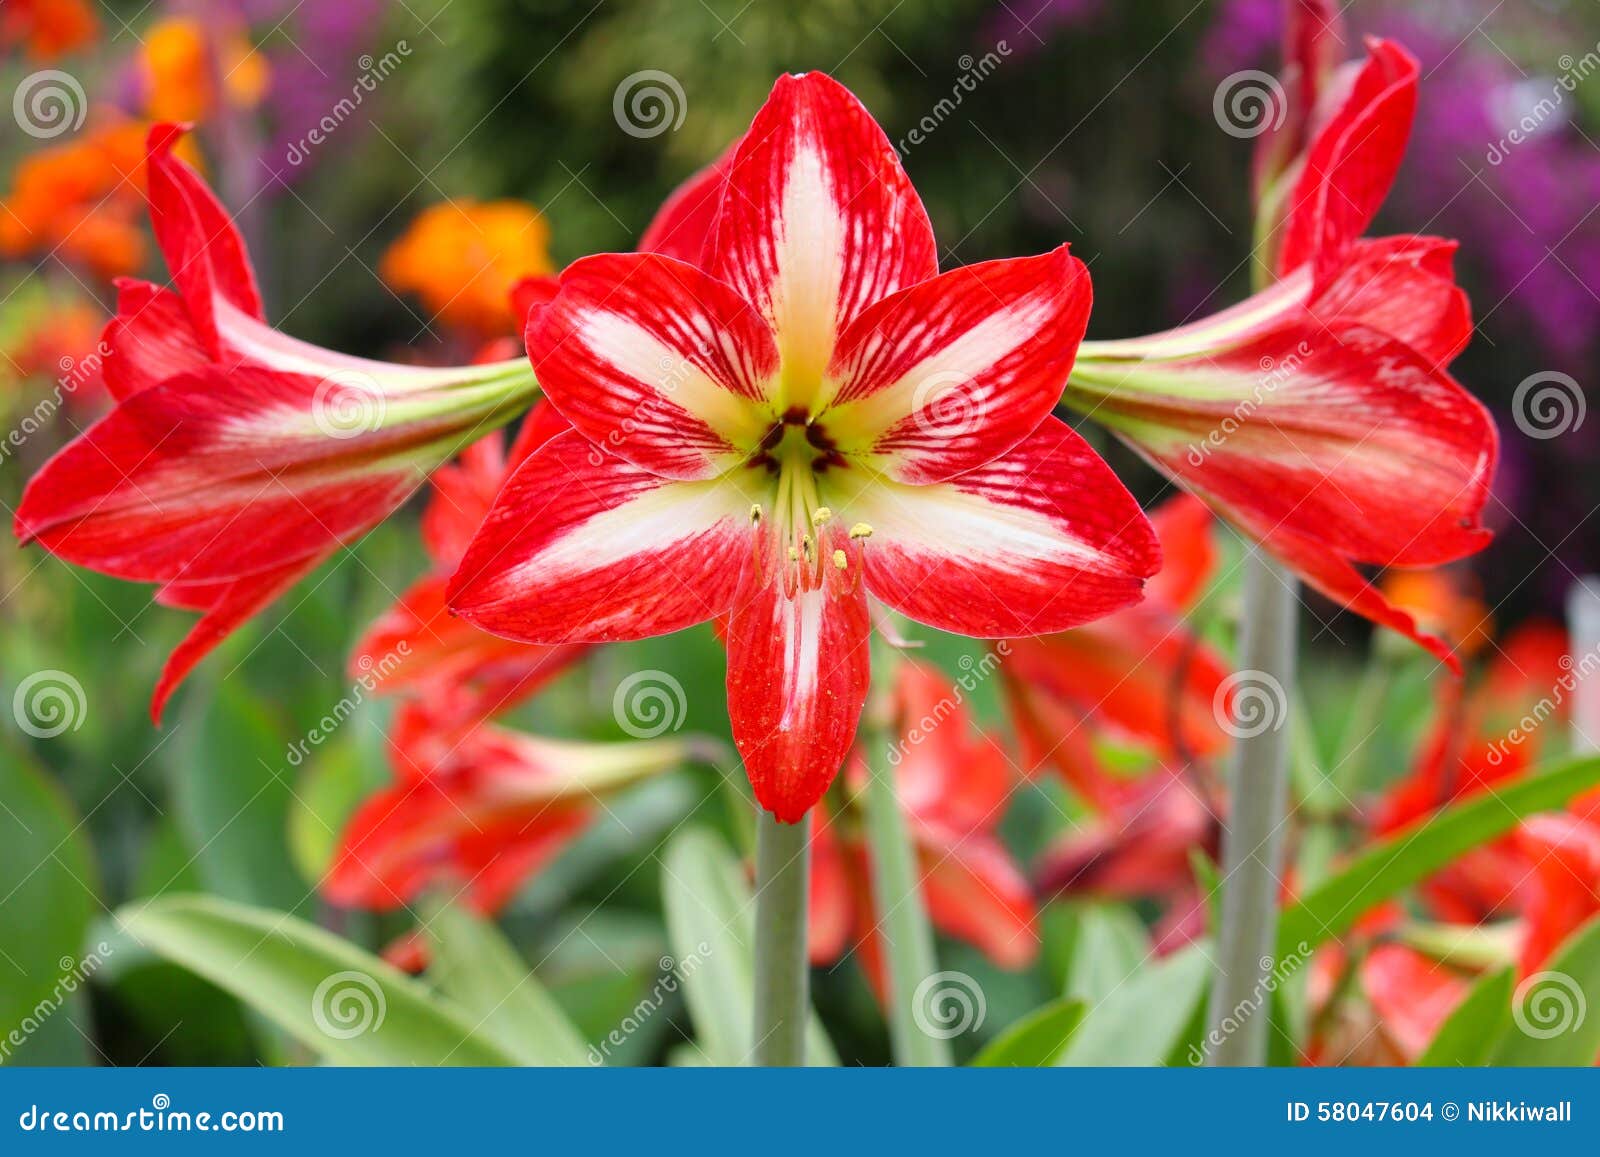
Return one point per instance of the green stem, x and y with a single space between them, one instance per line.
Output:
1252 843
783 877
903 926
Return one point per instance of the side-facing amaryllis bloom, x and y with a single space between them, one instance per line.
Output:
479 808
1317 416
237 459
811 415
1140 674
418 646
954 784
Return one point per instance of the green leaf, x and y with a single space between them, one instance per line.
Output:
1110 946
231 786
47 895
344 1004
1142 1021
1470 1032
711 926
1557 1009
1416 852
477 967
1036 1040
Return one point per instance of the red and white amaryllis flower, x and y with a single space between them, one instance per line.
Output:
810 415
1317 416
237 458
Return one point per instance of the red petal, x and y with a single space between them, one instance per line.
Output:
226 608
1333 446
655 361
1565 892
1404 287
950 373
976 893
150 340
798 669
211 476
419 644
204 252
581 547
945 771
1139 671
818 222
831 906
682 226
540 424
425 831
463 492
1412 993
1188 553
1040 540
1352 160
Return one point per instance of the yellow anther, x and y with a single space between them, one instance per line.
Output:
820 515
807 546
794 555
861 530
755 512
839 559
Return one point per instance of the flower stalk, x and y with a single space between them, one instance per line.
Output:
782 998
906 932
1252 842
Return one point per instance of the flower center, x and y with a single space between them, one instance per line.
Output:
799 538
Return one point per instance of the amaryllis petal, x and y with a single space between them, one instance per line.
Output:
227 606
1404 287
1352 160
954 371
1042 539
1413 994
817 222
831 901
583 547
202 248
419 644
976 893
944 772
463 492
655 361
1564 851
798 670
683 224
150 340
1139 672
1183 525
